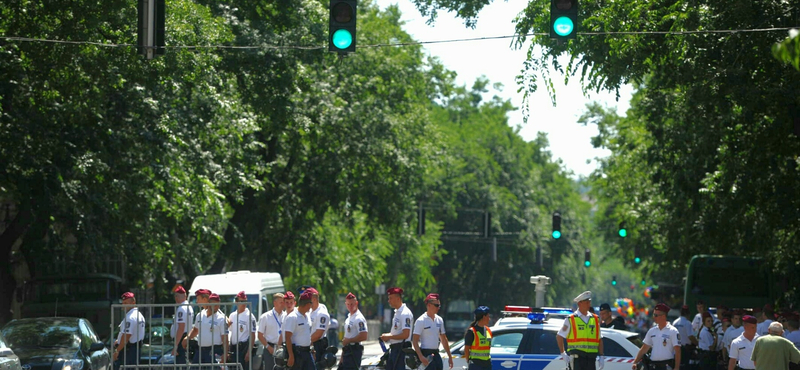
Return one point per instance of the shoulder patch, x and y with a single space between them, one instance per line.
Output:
408 321
362 326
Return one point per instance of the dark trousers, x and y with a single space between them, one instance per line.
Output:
180 359
584 362
319 350
473 366
661 365
397 358
204 355
128 356
686 354
239 352
351 357
436 362
267 360
303 359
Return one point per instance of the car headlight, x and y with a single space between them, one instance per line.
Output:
72 365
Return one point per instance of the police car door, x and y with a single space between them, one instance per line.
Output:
538 350
505 349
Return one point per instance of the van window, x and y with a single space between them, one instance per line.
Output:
265 305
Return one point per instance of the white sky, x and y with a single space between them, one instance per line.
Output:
496 60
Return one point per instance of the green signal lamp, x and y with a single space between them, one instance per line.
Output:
614 281
637 260
644 282
556 234
623 233
563 26
342 39
587 263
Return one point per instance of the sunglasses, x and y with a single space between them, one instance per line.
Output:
658 314
437 305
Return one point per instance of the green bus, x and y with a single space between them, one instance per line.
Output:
733 281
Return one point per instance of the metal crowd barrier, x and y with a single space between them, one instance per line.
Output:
155 349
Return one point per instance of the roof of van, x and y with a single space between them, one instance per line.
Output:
234 282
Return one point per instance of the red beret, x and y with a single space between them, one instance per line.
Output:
662 307
127 295
432 297
289 295
350 296
213 297
311 290
726 319
241 295
202 292
706 315
394 290
305 295
180 290
749 319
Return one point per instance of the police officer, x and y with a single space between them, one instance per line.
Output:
688 341
742 346
290 302
733 332
582 332
244 330
269 330
210 329
606 320
707 343
355 332
665 341
478 341
193 345
429 332
180 324
131 332
764 317
400 335
320 319
297 329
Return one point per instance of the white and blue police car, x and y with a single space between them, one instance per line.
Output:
526 340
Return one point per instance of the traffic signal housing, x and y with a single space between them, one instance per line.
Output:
342 26
614 280
587 258
556 225
636 258
563 19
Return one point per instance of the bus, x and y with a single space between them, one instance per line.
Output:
732 281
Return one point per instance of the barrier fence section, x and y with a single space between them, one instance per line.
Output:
205 351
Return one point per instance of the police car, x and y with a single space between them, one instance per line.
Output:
524 340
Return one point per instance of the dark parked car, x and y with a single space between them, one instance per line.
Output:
57 343
8 359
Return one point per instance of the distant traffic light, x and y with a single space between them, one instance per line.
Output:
623 231
636 258
556 225
563 19
614 280
587 258
342 26
644 282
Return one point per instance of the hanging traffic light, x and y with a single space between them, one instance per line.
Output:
587 258
342 26
614 280
644 282
556 225
563 19
636 258
623 231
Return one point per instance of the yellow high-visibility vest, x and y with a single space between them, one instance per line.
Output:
583 336
479 350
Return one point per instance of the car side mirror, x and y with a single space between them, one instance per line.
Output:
97 346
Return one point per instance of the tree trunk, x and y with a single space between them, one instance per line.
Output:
15 230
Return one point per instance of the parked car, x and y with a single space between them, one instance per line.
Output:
57 343
8 360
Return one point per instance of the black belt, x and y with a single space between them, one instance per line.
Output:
426 351
241 344
271 344
662 362
396 345
131 344
302 348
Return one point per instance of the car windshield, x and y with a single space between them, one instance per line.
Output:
42 334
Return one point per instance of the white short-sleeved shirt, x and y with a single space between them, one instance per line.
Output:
564 332
429 330
183 315
242 325
298 324
741 349
731 334
684 327
697 322
354 325
320 319
706 339
763 327
210 328
402 320
133 324
793 336
663 342
270 324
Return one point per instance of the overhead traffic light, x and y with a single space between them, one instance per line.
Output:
644 282
556 225
623 231
342 26
636 258
563 19
587 258
614 280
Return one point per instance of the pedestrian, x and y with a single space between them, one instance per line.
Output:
297 330
131 333
773 351
320 319
687 338
732 333
707 343
665 341
355 332
180 325
243 335
290 301
429 332
478 341
220 346
209 329
400 335
697 322
581 331
764 317
606 320
742 346
193 345
791 326
269 330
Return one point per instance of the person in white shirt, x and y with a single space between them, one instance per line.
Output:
320 319
269 330
688 340
429 332
297 329
400 335
764 317
131 332
243 332
289 302
734 331
742 346
581 356
180 324
792 333
697 322
355 327
210 330
665 341
707 343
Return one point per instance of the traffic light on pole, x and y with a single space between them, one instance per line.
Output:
342 26
556 225
614 280
644 282
587 258
623 231
636 258
563 19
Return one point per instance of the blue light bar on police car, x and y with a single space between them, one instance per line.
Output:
557 311
537 317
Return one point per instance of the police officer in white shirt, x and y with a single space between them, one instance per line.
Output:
297 329
665 341
181 324
269 330
243 332
193 345
764 317
320 319
688 341
585 358
211 331
400 335
355 327
734 331
429 332
742 346
792 333
131 332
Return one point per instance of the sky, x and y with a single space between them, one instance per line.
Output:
569 140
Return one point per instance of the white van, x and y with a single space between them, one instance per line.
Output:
259 287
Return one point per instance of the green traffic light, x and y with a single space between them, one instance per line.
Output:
563 26
623 232
613 282
556 234
644 282
587 263
637 260
342 39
